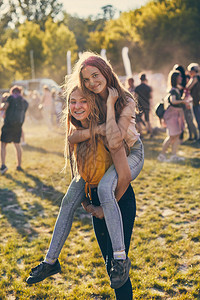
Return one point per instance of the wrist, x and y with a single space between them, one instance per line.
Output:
88 208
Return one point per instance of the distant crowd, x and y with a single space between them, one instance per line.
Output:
47 106
181 108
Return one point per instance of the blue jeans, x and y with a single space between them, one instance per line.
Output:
106 190
72 199
196 110
127 207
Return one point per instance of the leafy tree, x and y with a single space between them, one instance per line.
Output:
17 50
79 27
159 33
5 70
58 39
95 41
108 11
83 29
37 11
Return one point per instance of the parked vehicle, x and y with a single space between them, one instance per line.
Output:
36 84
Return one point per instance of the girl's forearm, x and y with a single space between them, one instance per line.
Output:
79 136
113 133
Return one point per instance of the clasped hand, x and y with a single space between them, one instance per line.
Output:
112 96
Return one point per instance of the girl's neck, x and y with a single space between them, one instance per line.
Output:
104 95
85 124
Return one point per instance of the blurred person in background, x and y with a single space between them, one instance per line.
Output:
34 102
130 85
143 93
181 87
53 107
173 118
194 87
46 105
188 113
59 106
3 100
15 108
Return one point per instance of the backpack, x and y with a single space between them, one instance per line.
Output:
160 107
160 110
15 113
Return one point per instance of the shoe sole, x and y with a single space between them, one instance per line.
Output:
117 286
52 273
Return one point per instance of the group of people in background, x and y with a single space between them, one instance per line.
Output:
182 106
183 102
47 107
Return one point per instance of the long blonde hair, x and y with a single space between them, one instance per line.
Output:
83 148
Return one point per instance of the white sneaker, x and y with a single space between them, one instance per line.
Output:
175 158
161 157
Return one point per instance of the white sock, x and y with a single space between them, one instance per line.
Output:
50 261
121 255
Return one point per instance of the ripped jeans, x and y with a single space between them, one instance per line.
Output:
106 194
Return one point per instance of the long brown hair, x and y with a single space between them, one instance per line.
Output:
95 60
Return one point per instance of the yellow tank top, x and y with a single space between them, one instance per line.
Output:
95 169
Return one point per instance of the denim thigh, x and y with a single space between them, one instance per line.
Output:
72 199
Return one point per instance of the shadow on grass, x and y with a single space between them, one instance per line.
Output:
153 146
40 149
195 162
40 189
192 144
16 216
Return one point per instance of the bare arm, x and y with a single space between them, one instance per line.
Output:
81 135
78 136
174 101
191 83
116 132
95 211
4 106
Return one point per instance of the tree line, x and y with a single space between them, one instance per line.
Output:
159 34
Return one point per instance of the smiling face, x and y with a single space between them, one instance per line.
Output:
79 106
94 80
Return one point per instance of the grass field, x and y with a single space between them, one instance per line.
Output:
165 247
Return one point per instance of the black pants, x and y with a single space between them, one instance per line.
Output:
128 210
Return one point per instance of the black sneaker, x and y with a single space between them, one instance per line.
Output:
119 272
19 168
3 169
42 271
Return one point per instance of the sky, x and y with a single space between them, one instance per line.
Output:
84 8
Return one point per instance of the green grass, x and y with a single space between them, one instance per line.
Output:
165 247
